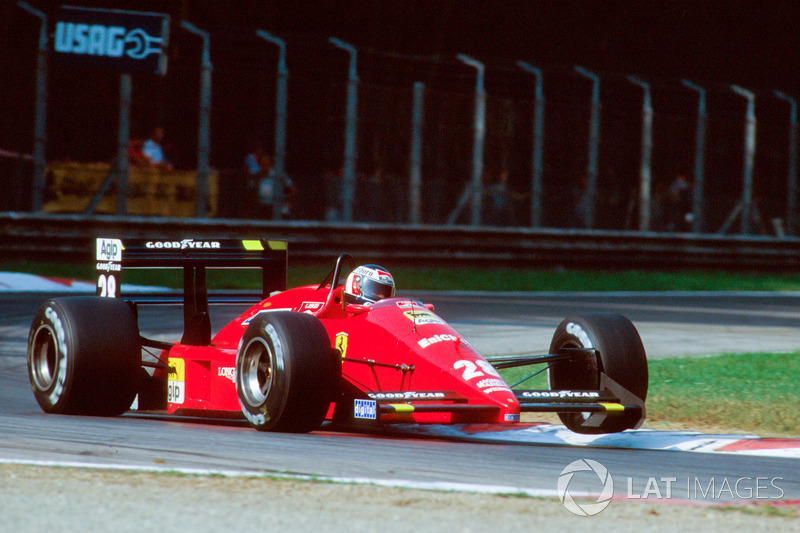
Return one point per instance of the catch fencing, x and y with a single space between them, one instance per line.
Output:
369 136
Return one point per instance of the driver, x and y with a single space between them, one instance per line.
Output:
367 284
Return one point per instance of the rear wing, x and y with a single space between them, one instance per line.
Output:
193 256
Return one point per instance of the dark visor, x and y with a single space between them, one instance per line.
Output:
374 290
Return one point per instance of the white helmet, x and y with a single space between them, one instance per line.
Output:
367 284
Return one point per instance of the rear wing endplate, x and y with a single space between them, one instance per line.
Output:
113 256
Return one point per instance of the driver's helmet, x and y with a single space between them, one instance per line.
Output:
367 284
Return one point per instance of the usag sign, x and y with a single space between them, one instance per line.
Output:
126 41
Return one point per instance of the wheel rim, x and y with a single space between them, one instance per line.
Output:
44 358
257 372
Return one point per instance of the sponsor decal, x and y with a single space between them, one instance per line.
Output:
109 250
310 307
407 395
227 372
424 343
183 245
112 39
365 409
408 304
109 267
492 385
422 317
104 41
375 273
560 394
576 330
176 380
341 343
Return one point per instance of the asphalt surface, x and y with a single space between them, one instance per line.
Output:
669 324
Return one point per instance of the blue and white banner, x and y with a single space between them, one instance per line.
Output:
127 41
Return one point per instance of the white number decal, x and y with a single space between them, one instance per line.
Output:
487 367
108 286
471 369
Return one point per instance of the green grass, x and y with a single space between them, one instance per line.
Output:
754 392
461 278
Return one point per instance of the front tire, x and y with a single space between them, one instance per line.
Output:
84 356
286 372
620 355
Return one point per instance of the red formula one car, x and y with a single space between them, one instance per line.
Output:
297 357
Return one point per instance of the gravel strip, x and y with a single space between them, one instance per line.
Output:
66 499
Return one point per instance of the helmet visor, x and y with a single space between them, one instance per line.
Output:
375 290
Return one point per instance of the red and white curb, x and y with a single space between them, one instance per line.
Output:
640 439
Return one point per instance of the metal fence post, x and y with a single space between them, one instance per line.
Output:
281 98
123 135
791 173
699 157
203 131
351 131
594 144
645 174
478 139
415 174
749 156
40 125
538 144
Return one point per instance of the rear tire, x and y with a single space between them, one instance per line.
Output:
621 356
286 372
84 356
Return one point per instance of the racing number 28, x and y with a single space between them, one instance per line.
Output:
471 371
107 285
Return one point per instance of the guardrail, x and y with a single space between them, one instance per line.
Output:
69 238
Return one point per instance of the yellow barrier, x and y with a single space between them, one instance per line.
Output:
71 187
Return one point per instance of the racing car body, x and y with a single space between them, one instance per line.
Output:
294 358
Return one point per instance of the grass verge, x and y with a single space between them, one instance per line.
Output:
737 393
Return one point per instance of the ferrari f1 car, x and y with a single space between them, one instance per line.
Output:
296 358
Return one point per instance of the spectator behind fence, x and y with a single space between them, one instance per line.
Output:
499 207
257 201
153 150
136 157
266 190
678 208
